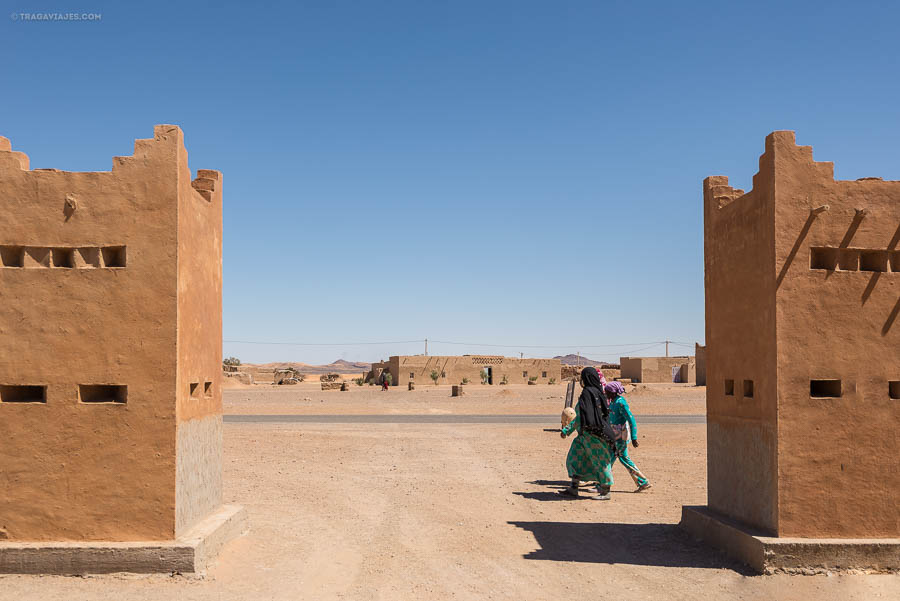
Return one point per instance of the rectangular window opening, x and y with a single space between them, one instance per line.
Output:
23 394
113 256
895 261
37 257
894 389
88 258
543 374
102 393
412 375
524 374
729 387
63 257
748 389
207 389
825 388
823 258
873 260
195 389
12 256
848 259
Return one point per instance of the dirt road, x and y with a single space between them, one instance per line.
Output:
546 420
308 398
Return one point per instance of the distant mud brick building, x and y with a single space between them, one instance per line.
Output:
110 353
610 371
452 370
700 359
658 369
803 362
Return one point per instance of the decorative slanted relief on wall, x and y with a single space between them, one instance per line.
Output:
63 257
487 360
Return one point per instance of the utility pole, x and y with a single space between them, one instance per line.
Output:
667 348
426 348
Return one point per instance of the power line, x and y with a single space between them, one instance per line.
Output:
321 343
643 345
550 346
637 350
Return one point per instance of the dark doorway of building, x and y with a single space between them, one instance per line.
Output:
487 375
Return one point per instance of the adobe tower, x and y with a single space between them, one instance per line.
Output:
803 362
110 357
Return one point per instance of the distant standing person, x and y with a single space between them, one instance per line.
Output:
622 421
384 381
590 456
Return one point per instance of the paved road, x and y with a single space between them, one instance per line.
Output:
440 419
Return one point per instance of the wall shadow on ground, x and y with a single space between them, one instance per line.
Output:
662 545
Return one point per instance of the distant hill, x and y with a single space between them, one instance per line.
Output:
354 365
574 360
338 367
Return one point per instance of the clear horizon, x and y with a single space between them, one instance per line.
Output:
675 350
509 173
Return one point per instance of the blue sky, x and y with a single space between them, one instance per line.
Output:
512 173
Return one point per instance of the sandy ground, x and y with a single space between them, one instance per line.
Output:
308 398
396 512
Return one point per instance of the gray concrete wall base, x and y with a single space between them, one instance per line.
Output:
192 552
767 554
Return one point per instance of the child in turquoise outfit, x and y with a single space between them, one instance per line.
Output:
622 420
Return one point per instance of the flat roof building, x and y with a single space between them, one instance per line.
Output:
658 369
494 369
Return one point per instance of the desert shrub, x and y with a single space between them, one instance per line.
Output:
231 361
465 381
435 375
389 378
552 381
532 379
505 380
359 381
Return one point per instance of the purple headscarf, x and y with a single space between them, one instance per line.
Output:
614 389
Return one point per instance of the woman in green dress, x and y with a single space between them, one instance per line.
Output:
590 457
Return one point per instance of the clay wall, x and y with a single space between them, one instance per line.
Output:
198 483
740 342
700 357
630 368
657 369
687 372
838 284
453 369
89 272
